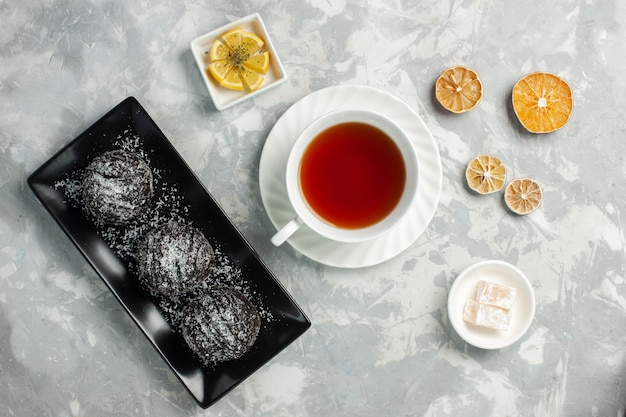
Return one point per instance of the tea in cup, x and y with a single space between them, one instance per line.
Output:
351 176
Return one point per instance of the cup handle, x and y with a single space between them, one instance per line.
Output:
287 230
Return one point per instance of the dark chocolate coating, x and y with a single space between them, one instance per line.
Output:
221 325
117 187
173 259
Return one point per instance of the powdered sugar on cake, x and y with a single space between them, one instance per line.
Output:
167 205
173 258
221 325
117 187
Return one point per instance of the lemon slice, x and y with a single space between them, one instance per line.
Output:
523 196
233 37
238 60
485 174
227 75
458 89
233 80
219 51
251 41
259 63
251 79
542 102
219 69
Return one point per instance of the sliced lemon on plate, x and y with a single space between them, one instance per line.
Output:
233 37
251 79
226 75
259 63
251 42
219 51
485 174
238 60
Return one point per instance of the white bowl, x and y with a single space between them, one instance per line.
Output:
464 288
222 97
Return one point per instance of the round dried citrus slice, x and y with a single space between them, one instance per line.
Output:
523 195
485 174
458 89
542 102
238 60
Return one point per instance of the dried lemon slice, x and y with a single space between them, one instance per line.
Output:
542 102
238 60
459 89
523 196
485 174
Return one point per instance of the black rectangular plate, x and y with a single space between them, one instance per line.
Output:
205 383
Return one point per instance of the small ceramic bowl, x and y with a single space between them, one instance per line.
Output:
522 312
223 97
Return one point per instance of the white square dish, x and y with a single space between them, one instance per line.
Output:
222 97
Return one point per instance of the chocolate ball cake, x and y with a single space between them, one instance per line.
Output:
117 187
221 325
173 259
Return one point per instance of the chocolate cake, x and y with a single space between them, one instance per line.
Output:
173 259
117 187
221 325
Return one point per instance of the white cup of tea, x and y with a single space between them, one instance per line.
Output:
351 177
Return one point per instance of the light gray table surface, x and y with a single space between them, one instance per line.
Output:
381 343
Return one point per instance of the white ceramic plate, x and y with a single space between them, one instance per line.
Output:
223 97
464 288
274 160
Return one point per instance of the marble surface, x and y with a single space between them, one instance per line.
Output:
381 343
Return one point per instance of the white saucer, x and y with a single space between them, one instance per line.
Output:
274 192
464 288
